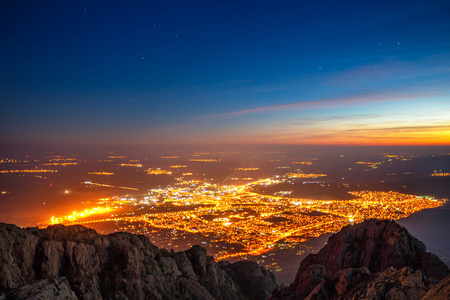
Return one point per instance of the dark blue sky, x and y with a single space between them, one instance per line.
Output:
162 72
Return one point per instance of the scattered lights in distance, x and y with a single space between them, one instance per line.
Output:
63 159
158 171
201 153
204 160
28 171
95 184
131 165
8 161
101 173
60 164
302 175
302 162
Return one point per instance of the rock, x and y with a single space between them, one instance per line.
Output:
440 291
361 284
184 265
375 245
349 278
393 284
76 262
213 278
371 260
312 277
17 252
254 281
57 289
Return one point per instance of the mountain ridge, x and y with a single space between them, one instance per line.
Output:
376 259
76 262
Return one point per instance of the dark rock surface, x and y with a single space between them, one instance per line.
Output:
440 291
78 263
57 289
372 260
391 284
255 281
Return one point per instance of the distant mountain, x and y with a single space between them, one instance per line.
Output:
78 263
432 226
372 260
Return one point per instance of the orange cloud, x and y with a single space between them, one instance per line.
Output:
404 135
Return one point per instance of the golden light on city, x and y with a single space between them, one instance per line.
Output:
243 217
76 216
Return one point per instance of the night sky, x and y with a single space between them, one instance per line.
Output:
242 72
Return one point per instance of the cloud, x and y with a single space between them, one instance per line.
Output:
323 119
401 73
324 103
415 129
354 130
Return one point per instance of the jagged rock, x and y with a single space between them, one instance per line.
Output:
372 260
312 277
359 283
339 286
349 278
76 262
373 244
17 251
184 265
210 275
440 291
393 284
254 281
57 289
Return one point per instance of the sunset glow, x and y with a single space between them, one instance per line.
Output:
310 74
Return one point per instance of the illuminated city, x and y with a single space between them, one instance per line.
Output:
233 205
244 222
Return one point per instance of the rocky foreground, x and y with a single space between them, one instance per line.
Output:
78 263
372 260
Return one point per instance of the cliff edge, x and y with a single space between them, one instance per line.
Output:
75 262
372 260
